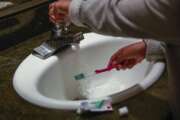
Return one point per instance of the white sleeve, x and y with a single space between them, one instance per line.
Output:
155 50
157 19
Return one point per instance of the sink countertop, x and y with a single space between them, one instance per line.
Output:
149 105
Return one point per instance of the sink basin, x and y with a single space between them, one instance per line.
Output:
51 82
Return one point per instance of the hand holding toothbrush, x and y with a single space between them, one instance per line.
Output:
128 56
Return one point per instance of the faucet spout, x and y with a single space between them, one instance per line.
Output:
61 38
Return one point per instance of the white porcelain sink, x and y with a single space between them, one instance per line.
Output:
50 83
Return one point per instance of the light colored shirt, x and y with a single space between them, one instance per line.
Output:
151 19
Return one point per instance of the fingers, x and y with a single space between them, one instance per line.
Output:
115 58
126 64
51 13
58 11
131 63
118 67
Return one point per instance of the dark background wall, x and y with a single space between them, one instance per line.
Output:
24 25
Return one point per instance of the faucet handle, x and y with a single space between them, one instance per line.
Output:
78 37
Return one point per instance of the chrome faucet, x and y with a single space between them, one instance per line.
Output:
61 38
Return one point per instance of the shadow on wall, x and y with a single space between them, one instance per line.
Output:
23 26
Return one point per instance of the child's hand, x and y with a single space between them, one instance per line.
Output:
128 56
58 11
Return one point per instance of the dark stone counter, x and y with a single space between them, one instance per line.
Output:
150 105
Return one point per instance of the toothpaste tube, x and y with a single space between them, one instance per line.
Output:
103 105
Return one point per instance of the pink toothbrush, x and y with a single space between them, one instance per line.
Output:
81 76
109 68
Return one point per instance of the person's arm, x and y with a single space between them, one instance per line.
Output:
129 56
135 18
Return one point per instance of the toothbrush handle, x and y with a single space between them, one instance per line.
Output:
105 69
